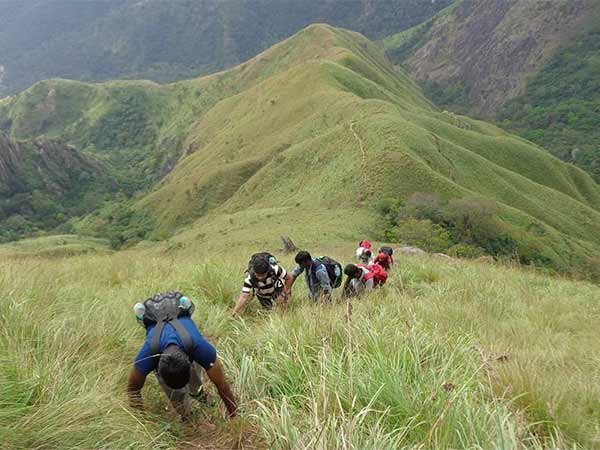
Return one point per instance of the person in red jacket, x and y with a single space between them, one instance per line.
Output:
384 260
362 279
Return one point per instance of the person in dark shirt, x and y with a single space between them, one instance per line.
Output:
317 278
175 369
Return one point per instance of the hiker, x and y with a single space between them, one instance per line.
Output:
364 253
385 258
362 279
322 275
173 348
265 279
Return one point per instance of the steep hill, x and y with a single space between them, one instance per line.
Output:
560 106
487 49
165 41
320 127
531 65
43 183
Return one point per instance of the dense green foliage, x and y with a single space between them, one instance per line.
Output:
118 221
467 227
44 184
560 108
166 41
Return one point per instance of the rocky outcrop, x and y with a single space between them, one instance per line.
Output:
411 251
491 46
48 165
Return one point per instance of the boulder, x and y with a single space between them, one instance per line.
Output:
411 251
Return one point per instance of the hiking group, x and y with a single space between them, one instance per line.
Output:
174 347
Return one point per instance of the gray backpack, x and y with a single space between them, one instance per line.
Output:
166 308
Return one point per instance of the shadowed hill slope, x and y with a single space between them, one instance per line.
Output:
45 182
530 65
97 40
319 122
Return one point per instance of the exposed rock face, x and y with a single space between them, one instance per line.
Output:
9 163
492 46
48 165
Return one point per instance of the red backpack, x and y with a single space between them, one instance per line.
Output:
384 260
376 272
365 244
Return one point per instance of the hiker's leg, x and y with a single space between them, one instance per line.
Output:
266 303
355 288
180 398
195 383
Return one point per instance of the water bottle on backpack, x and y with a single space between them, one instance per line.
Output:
186 305
139 310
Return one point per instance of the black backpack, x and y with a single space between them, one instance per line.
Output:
387 250
164 308
261 255
334 270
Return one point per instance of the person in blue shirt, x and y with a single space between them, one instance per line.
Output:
175 370
317 278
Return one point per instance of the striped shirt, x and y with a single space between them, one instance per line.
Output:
267 287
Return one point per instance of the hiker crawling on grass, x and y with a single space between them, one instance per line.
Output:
362 279
266 280
385 258
172 350
364 252
322 275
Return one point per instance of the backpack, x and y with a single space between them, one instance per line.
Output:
376 272
261 255
334 270
384 260
387 250
165 308
365 244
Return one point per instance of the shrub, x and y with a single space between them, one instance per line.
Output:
466 251
423 234
423 206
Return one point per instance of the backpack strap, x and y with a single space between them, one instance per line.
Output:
155 343
179 329
183 334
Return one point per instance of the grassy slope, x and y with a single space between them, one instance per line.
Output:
377 384
58 246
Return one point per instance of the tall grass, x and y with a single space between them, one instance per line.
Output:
449 355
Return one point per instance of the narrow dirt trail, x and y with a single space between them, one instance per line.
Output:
217 433
363 164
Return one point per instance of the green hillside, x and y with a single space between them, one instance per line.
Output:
43 183
167 41
560 107
318 123
536 80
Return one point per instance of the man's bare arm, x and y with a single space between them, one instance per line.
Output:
216 375
289 281
241 301
135 383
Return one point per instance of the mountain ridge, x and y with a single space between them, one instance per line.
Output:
168 41
297 127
